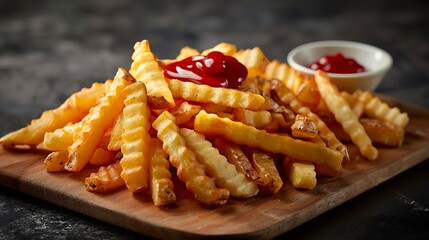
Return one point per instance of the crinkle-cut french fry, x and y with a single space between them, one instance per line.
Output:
71 111
225 174
254 60
304 127
265 166
277 70
98 120
222 96
384 133
375 108
285 96
185 112
253 118
380 110
116 142
186 52
55 161
189 170
60 139
300 174
146 69
107 179
354 103
136 139
102 157
225 48
236 156
212 125
161 186
345 116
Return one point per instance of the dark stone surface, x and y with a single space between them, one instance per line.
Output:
49 49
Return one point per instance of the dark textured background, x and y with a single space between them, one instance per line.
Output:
49 49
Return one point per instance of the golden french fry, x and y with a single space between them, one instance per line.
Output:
225 48
304 127
212 125
186 52
161 186
136 139
189 170
71 111
225 174
300 174
116 142
107 179
284 96
98 120
236 156
254 60
55 161
265 166
102 157
345 116
222 96
62 138
253 118
146 69
384 133
185 112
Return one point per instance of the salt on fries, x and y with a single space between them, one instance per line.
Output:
222 142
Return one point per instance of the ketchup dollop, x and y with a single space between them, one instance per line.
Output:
215 69
337 64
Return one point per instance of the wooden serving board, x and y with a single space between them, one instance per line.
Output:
254 218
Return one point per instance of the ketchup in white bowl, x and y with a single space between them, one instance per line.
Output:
374 63
337 64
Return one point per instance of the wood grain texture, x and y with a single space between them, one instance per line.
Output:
254 218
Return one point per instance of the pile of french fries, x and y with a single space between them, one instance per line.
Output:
278 127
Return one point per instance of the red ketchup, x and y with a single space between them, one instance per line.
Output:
337 64
215 69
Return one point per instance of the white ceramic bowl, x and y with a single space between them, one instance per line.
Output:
375 60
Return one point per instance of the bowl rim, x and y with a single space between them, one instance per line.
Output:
338 43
